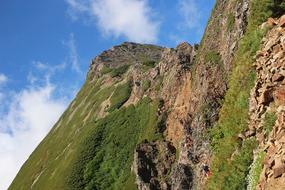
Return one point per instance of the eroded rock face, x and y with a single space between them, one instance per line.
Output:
182 177
153 162
268 97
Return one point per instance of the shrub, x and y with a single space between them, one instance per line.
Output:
106 155
278 7
105 70
213 57
269 122
231 160
149 63
117 72
159 83
230 22
120 95
146 84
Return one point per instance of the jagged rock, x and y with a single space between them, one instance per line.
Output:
152 163
278 170
183 177
277 77
250 133
280 96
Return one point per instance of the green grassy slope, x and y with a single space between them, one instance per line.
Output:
92 145
83 152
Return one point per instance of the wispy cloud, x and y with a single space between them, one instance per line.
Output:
132 19
3 79
73 55
190 13
190 26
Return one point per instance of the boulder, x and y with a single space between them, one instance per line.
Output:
278 170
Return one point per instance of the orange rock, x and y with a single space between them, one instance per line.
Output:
280 96
278 170
271 22
282 21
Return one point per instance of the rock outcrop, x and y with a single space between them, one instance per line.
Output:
268 97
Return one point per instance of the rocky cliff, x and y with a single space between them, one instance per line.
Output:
151 117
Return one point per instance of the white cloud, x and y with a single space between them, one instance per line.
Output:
30 115
190 13
3 79
73 55
128 18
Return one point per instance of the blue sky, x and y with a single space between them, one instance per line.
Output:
46 48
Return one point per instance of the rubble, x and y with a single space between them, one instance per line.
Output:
268 95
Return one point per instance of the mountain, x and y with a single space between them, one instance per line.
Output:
204 117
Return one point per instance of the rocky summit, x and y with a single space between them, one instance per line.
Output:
207 116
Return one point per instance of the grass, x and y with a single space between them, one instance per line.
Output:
146 85
120 96
118 72
105 70
269 122
255 171
230 22
159 83
56 152
106 155
231 159
149 63
213 57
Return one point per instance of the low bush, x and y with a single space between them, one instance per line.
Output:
117 72
269 122
213 57
231 159
230 22
105 70
149 63
106 155
146 84
120 95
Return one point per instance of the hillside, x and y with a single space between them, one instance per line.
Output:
151 117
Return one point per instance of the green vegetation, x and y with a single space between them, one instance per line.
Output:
255 171
278 8
149 63
146 84
230 22
213 57
159 82
52 159
269 122
120 95
117 72
106 155
231 160
105 70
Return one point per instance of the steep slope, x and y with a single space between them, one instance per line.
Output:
149 117
124 101
59 161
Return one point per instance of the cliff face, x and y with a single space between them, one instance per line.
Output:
150 117
267 108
